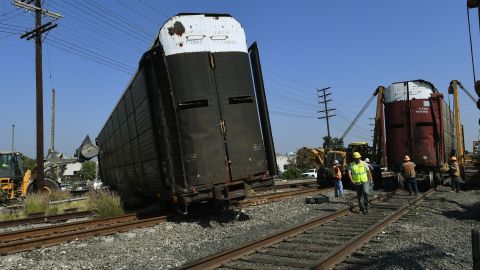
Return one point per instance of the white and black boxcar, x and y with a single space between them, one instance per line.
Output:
191 126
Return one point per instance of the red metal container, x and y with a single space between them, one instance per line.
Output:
419 124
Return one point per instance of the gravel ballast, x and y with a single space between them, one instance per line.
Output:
172 244
435 235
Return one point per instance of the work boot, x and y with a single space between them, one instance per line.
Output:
366 211
363 211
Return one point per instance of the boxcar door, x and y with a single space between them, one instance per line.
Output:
238 106
198 112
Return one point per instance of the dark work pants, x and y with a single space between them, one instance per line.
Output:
362 194
456 183
411 181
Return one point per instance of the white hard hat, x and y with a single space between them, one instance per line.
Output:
367 160
336 162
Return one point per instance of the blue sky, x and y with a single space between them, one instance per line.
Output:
351 46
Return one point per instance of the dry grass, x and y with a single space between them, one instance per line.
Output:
4 216
59 195
105 203
36 203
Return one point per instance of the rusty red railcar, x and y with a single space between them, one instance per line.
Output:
419 123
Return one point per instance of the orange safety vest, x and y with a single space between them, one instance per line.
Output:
338 173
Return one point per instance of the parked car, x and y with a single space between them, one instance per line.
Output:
311 173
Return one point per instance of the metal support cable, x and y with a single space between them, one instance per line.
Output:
358 116
471 46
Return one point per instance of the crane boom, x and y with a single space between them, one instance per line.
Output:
364 108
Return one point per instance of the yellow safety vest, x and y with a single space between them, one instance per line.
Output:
359 172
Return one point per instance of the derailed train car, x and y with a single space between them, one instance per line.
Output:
191 126
419 123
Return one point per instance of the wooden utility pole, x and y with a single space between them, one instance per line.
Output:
37 34
52 128
322 98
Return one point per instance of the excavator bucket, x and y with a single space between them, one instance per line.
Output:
87 150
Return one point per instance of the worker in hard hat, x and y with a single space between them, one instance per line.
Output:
337 178
454 171
359 173
408 172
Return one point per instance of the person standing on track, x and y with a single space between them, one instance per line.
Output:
358 173
454 171
408 172
337 178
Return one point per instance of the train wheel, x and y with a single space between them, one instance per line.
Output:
431 181
438 178
49 184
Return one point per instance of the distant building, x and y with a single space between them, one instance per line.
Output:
72 169
285 161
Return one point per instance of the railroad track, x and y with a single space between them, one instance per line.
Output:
318 244
303 184
23 240
46 219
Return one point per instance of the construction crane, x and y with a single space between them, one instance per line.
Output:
364 108
453 90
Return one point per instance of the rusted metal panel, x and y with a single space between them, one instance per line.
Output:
418 124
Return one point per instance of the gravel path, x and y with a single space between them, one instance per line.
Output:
434 235
171 244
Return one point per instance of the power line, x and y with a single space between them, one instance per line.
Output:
290 79
154 9
89 58
138 13
91 54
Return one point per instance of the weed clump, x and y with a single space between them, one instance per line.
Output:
59 195
105 203
36 203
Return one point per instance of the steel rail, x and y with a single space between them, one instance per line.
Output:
23 240
29 244
49 230
44 219
340 254
275 197
219 259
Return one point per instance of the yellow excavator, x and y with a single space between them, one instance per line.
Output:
325 169
14 179
17 182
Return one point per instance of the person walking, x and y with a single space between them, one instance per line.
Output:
454 171
337 178
358 173
408 172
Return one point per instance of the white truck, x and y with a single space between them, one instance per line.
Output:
311 173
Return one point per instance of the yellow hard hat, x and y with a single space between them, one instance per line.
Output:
454 158
406 158
356 155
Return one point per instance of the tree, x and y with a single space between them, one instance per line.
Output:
28 163
88 170
333 143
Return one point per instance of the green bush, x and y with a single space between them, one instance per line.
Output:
36 203
292 173
105 203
